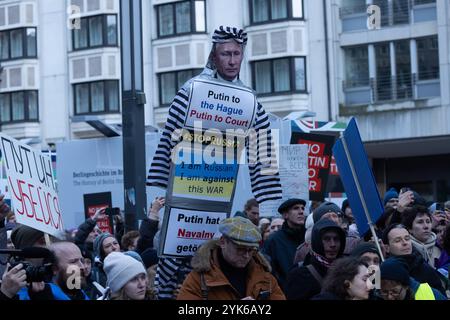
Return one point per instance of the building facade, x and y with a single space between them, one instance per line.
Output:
394 78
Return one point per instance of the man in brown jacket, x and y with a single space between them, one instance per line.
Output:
231 268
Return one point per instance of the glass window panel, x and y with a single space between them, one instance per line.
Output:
403 68
300 74
80 36
383 64
4 45
168 89
182 77
260 10
111 29
17 43
357 66
279 9
5 111
113 95
82 98
183 16
18 108
297 8
263 77
96 31
200 23
97 97
166 23
281 75
33 105
31 42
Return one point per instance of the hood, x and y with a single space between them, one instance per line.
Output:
319 229
201 262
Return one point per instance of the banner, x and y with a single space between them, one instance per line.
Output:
357 177
220 106
293 172
187 230
32 187
319 160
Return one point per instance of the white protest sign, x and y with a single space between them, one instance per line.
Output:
32 187
220 106
187 230
293 177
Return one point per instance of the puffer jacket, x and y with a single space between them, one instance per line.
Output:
260 281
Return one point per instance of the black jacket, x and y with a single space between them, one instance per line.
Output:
83 232
280 248
422 271
147 232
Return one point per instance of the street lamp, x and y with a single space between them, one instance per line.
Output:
133 102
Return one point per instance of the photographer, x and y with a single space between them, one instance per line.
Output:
68 276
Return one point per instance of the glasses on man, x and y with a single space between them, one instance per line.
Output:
395 292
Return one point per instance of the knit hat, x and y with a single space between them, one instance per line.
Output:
364 247
285 206
120 269
23 236
134 255
324 208
396 270
150 257
390 194
241 231
98 244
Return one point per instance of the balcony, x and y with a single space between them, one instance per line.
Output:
389 89
399 12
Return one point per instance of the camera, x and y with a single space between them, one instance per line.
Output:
42 273
112 211
34 273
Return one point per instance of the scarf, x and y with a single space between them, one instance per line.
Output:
427 249
321 259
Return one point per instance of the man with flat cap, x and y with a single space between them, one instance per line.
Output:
280 247
231 268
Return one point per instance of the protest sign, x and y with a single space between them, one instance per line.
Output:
220 106
186 230
32 187
319 159
358 179
293 171
97 201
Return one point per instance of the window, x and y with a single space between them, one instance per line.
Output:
181 17
264 11
403 69
428 58
96 97
356 67
276 76
171 82
19 106
96 31
18 44
383 69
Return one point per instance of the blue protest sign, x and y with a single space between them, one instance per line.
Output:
357 178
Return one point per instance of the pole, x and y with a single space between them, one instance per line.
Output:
133 123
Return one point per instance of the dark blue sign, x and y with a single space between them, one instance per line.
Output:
355 157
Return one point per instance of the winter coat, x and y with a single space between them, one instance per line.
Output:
422 271
301 283
82 233
217 287
430 252
280 247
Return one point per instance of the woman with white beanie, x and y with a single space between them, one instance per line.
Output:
127 277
